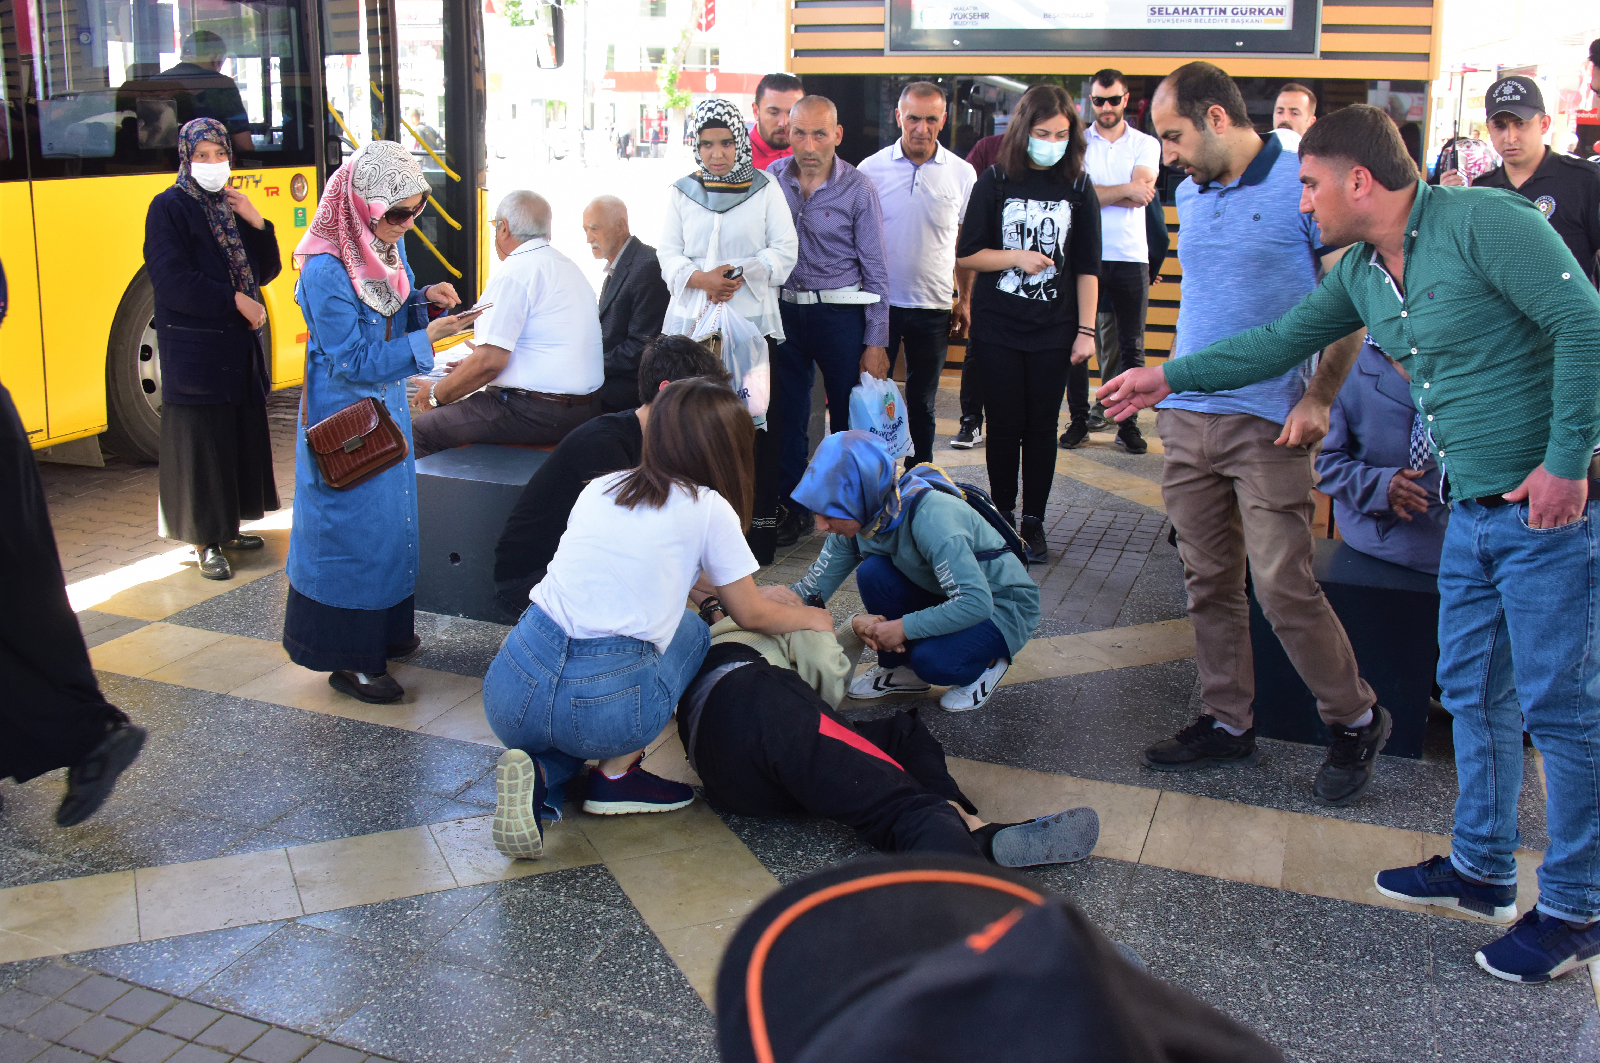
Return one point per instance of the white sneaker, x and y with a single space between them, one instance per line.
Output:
881 681
976 693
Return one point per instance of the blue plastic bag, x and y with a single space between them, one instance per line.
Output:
876 407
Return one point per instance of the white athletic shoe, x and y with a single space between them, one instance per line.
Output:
881 681
976 693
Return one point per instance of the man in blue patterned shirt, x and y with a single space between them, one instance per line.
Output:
835 304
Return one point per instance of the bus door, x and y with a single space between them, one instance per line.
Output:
21 336
412 71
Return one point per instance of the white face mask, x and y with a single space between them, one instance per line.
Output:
210 176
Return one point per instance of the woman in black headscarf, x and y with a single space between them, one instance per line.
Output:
208 252
728 216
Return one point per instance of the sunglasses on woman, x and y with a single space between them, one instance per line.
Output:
1107 101
399 215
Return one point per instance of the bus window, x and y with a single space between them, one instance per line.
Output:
355 50
117 78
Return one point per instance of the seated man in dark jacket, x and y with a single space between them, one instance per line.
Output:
605 444
633 299
1378 469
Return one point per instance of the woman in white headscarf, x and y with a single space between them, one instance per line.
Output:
353 553
728 216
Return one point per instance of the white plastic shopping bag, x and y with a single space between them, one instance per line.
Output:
876 407
744 354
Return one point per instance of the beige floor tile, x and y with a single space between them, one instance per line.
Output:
688 887
624 837
667 760
1333 858
1126 647
1122 484
368 869
231 662
214 894
468 848
1222 839
465 723
50 918
958 459
697 950
160 598
154 646
1004 794
429 695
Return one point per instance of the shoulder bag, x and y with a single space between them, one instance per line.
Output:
355 443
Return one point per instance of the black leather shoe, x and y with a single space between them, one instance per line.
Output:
1131 439
89 782
375 689
1200 745
400 651
1073 437
1032 532
213 565
795 525
1352 759
245 542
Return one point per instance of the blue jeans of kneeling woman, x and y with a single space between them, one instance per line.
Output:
565 701
955 659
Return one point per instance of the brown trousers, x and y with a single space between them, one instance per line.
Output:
1233 496
496 416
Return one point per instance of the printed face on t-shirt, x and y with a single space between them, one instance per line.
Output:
1040 225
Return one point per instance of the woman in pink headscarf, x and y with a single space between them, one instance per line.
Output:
353 553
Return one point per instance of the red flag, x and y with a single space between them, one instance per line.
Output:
708 16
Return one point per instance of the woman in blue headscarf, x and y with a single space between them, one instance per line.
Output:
948 601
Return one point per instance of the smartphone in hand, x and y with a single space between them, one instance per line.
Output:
733 274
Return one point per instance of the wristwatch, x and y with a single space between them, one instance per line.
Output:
433 397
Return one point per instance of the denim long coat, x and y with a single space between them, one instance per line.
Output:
356 549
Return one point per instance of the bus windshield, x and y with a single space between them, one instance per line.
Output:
116 79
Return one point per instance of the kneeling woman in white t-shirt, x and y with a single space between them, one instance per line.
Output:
596 665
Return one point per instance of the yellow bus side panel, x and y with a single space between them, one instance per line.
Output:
21 347
90 246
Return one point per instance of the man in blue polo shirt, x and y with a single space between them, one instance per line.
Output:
1237 478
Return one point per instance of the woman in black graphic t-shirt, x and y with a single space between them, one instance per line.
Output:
1032 233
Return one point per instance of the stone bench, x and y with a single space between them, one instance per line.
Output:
1392 617
464 496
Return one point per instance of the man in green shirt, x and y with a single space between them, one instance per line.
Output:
1477 298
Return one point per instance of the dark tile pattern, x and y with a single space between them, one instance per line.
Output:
222 775
1096 556
58 1012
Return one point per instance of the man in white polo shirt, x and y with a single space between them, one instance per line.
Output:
1123 163
923 189
538 347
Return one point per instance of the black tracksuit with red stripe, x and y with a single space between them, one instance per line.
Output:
765 744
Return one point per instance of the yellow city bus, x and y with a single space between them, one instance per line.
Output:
986 53
94 92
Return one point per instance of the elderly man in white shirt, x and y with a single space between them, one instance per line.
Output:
923 189
538 347
1123 164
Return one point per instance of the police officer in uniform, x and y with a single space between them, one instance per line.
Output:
1565 188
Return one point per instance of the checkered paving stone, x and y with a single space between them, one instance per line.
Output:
66 1014
1095 556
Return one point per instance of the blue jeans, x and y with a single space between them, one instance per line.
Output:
826 336
950 660
1511 592
564 701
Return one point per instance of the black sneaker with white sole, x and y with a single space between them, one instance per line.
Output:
1129 438
1075 435
969 436
1201 745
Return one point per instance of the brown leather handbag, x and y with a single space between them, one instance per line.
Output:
355 443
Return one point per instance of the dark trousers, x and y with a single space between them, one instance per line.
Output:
765 744
1022 391
52 714
825 336
955 659
495 415
1124 303
926 335
620 392
972 384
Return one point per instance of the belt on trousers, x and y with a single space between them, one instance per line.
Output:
544 396
849 296
1491 501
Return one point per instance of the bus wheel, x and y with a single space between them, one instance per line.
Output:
133 376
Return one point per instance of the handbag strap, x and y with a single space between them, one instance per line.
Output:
305 367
